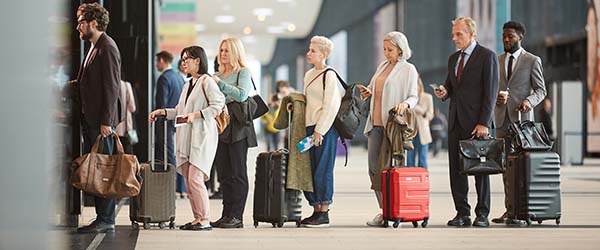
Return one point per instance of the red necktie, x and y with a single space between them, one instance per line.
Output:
460 65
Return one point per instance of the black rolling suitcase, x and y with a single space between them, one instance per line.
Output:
156 201
273 203
535 182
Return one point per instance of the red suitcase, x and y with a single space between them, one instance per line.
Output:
405 193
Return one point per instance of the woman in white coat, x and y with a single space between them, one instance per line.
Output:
393 86
424 112
200 102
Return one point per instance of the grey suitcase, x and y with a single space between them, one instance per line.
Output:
156 202
535 192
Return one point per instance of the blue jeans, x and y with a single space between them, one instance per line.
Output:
322 161
105 208
420 149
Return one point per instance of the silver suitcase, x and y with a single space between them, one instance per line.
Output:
156 202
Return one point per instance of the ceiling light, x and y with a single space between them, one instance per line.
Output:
261 18
291 27
247 30
262 12
275 29
224 19
200 27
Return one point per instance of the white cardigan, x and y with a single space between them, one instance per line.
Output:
197 141
400 86
322 103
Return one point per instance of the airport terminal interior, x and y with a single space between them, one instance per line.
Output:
59 58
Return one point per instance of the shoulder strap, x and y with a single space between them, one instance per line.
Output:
251 79
337 75
204 91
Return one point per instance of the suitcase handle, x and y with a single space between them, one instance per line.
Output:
153 145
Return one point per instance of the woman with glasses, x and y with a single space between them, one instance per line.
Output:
200 102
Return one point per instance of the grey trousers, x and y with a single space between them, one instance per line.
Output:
374 138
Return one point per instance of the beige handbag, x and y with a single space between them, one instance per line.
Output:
222 118
108 176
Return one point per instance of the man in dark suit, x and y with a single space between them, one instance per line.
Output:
98 82
472 86
522 88
168 89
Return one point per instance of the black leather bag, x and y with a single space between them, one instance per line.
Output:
261 106
352 109
482 156
528 136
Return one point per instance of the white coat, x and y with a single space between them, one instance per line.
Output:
400 86
197 141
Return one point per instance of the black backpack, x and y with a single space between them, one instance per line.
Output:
351 110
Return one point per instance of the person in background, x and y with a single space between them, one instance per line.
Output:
439 129
99 87
181 71
393 86
545 114
168 90
522 88
234 80
272 134
126 125
424 112
472 87
200 102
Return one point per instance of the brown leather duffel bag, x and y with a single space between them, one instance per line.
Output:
108 176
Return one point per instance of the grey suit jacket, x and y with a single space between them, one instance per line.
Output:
526 82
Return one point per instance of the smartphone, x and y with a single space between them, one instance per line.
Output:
434 86
180 120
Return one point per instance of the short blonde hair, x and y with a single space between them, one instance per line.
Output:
237 54
399 40
471 25
323 44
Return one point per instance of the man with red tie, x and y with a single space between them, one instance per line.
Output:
472 87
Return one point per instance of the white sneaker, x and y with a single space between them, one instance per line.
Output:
377 221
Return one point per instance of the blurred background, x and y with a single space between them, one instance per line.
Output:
41 52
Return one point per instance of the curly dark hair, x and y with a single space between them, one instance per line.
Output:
93 11
517 26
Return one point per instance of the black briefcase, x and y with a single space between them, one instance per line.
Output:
482 156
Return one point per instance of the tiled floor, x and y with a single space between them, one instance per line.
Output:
354 204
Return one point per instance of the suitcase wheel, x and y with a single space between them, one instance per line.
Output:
255 224
557 221
280 224
385 223
415 224
172 225
162 225
540 221
135 226
396 224
528 221
425 222
298 223
146 225
274 224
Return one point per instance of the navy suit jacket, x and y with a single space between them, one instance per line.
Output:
472 99
168 89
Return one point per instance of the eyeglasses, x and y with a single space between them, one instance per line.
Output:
186 58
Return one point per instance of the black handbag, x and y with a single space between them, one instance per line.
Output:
261 106
482 156
528 136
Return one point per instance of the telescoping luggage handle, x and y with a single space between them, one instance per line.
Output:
153 143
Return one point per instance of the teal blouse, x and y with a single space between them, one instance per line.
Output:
236 91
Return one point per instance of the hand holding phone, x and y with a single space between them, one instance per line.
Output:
434 86
180 120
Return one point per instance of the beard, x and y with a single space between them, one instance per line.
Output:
514 47
85 35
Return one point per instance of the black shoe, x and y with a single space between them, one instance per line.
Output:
307 219
232 223
515 222
219 221
96 227
501 219
216 195
460 221
185 227
199 227
321 219
481 221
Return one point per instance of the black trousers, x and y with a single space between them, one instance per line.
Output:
231 160
459 184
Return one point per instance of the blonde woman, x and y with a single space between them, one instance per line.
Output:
323 101
200 102
424 113
234 80
393 86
